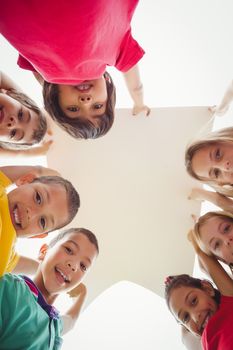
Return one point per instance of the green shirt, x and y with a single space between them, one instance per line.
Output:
24 324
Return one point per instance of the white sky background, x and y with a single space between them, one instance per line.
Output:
188 62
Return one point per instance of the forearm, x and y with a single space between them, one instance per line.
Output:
26 265
219 200
227 98
72 314
215 270
134 85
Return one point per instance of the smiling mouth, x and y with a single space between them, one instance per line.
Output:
205 321
16 217
85 87
62 277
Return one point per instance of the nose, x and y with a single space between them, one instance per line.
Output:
72 266
226 165
195 317
11 121
85 99
228 241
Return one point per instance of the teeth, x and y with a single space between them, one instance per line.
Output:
63 275
16 216
83 87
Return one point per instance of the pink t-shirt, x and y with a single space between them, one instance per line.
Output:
218 334
68 42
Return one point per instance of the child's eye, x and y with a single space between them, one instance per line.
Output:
216 173
194 301
98 105
20 114
73 109
185 318
42 223
13 133
226 228
216 245
68 250
83 267
218 154
38 198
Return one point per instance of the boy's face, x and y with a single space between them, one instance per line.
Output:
193 307
65 264
37 208
17 122
85 101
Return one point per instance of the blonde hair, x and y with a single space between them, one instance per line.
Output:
215 137
202 220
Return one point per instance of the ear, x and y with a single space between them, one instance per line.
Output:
25 179
43 251
208 288
41 235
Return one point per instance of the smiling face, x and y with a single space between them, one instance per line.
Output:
17 122
64 265
215 162
37 208
193 307
216 234
85 101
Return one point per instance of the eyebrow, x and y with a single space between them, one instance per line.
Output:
77 246
185 300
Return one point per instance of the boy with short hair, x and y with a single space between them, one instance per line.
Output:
27 318
37 206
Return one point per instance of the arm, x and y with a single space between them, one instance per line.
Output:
14 172
222 108
214 269
70 317
223 202
135 88
29 152
7 83
26 265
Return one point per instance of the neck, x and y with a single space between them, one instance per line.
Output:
39 282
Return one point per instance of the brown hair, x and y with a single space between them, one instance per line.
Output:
173 282
38 133
73 198
222 136
90 235
78 127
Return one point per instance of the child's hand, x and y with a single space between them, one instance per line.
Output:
78 291
219 110
197 194
45 146
139 109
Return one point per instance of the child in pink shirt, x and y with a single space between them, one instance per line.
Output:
68 46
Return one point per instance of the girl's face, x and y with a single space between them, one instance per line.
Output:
193 307
17 122
85 101
217 236
215 162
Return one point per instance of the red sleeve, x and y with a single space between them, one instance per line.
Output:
130 53
25 64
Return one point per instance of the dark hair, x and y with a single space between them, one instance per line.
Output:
78 127
90 235
72 195
173 282
38 133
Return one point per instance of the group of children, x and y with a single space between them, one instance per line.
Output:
204 312
68 48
